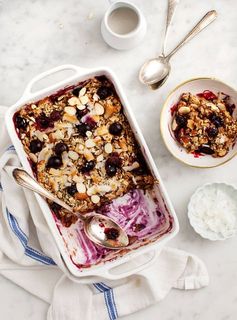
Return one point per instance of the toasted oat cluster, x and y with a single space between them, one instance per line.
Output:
204 123
81 147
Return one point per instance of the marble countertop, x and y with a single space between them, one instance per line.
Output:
37 35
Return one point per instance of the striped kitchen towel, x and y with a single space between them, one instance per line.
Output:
29 257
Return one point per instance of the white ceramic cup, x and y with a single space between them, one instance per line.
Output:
123 41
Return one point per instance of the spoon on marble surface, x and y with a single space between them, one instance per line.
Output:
100 229
155 71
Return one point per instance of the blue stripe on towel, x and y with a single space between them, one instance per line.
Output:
11 148
30 252
109 299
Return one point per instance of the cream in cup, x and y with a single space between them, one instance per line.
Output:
123 26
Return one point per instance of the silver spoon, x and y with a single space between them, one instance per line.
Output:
96 226
155 71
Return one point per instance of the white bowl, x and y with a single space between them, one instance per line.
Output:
200 198
194 86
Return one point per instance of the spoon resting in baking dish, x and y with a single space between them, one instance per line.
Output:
99 229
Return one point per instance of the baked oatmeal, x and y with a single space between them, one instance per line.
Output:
204 123
81 147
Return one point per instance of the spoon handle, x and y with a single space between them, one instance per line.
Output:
172 4
25 180
203 23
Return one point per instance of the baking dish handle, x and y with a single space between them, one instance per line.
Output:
28 93
130 267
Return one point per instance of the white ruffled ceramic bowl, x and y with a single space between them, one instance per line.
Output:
194 86
212 211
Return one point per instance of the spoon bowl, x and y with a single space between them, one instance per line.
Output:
100 229
154 70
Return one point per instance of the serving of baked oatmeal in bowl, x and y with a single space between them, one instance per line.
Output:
198 122
81 142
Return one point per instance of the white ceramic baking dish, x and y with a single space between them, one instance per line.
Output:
108 269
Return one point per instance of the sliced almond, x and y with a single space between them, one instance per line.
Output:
101 131
135 165
81 106
174 125
73 155
221 106
100 158
108 148
33 157
81 187
58 135
44 154
69 118
88 134
89 143
77 179
82 92
91 191
95 97
184 110
73 101
55 172
103 188
99 109
70 110
212 106
84 99
95 198
88 155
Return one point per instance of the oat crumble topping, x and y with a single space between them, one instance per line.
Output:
204 123
81 147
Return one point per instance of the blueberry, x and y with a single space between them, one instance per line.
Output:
111 233
181 120
139 226
83 128
104 92
81 113
54 162
88 166
76 91
55 115
43 121
21 123
212 132
111 170
115 128
114 160
205 149
230 108
60 147
72 189
55 207
216 120
36 146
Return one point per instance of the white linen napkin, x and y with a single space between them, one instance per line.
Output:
29 257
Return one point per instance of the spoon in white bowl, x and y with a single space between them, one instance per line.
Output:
155 71
100 229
